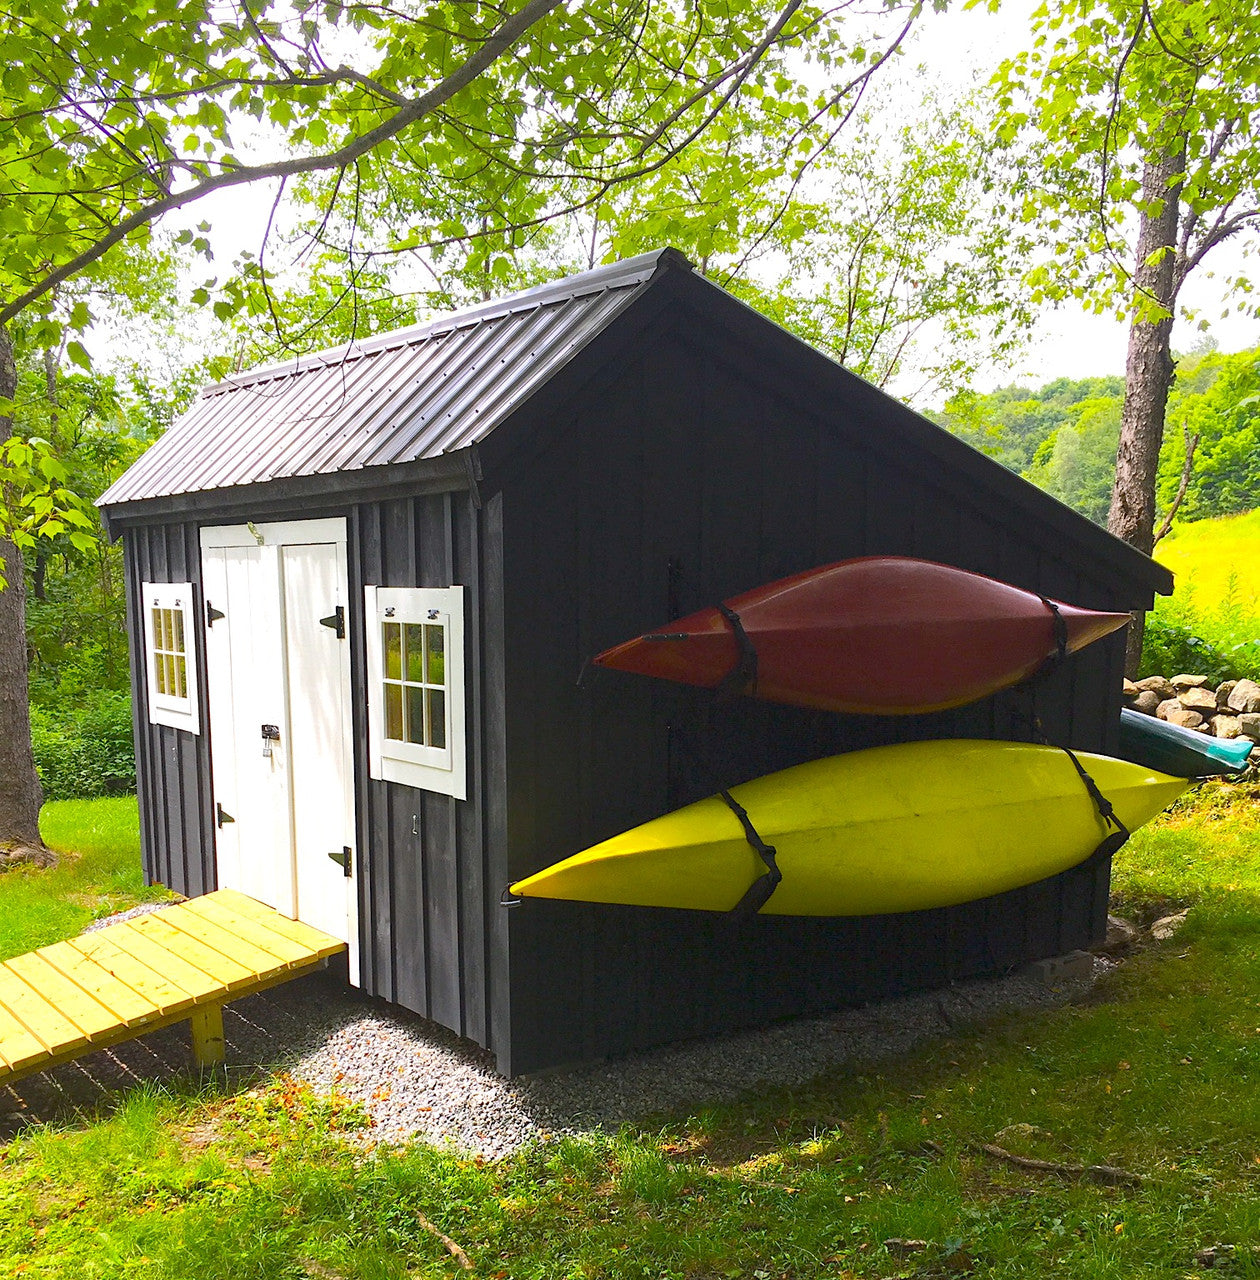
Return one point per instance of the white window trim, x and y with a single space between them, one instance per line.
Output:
175 713
413 765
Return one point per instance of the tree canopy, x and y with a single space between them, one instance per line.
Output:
1063 436
115 113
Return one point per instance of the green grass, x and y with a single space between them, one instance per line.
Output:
1157 1074
1208 554
98 873
1211 622
1216 591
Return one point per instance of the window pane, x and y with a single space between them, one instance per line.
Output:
181 677
415 715
437 717
168 636
177 617
394 712
393 656
415 657
435 639
156 624
159 673
169 662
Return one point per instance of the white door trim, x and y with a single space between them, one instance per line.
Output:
276 533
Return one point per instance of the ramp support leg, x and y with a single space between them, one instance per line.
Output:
209 1049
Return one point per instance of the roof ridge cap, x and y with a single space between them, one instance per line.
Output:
623 274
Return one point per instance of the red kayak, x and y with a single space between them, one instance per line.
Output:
881 635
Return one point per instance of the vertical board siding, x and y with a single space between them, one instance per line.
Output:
172 766
431 942
686 459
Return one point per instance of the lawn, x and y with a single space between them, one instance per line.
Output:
1156 1075
98 873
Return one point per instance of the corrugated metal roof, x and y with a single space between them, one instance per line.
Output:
398 397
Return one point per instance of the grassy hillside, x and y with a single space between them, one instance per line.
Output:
1210 557
1211 623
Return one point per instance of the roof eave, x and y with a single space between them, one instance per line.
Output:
452 472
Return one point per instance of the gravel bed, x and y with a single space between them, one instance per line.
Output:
142 910
418 1080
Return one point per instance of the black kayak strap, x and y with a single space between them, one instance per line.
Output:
1114 839
758 893
1060 629
1055 660
742 677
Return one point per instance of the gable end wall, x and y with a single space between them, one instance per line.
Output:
687 455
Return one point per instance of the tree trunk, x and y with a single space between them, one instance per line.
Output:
20 792
1149 370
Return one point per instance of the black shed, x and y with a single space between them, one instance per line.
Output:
434 529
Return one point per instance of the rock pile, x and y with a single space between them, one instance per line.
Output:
1231 710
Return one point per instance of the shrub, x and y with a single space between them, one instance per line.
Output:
1170 647
85 749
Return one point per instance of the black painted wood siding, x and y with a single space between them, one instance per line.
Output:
695 454
430 868
172 766
433 938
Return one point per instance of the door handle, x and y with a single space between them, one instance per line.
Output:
344 859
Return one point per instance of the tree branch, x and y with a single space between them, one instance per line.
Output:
1221 230
1192 443
495 46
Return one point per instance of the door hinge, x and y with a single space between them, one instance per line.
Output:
213 614
336 621
221 815
344 859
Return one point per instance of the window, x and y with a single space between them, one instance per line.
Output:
170 654
415 648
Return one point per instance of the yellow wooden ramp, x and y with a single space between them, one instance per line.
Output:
182 963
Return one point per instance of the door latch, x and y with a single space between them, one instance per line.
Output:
213 614
344 859
337 621
270 734
221 815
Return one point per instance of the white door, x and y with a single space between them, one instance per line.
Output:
246 690
278 678
315 588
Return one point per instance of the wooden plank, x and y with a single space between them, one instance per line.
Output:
43 1020
203 926
87 1013
127 1005
139 975
18 1047
163 995
169 961
241 905
494 723
228 974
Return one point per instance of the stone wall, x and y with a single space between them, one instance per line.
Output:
1231 710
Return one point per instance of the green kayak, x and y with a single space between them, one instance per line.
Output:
1183 753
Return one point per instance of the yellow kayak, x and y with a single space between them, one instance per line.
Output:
900 828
